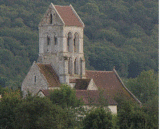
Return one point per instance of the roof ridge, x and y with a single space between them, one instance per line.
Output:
69 16
62 5
77 15
97 71
127 88
58 13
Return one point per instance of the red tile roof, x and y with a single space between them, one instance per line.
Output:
108 81
68 16
92 97
88 96
45 92
49 74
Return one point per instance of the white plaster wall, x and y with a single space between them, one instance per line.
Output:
40 94
113 108
92 85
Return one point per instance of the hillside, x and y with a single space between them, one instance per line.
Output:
120 33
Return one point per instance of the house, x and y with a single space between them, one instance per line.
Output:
61 59
91 98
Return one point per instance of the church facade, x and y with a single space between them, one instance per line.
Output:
61 59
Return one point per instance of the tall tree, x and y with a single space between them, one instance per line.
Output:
144 86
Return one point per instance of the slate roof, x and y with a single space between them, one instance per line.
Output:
50 75
68 15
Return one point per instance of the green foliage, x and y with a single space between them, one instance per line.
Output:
64 97
98 119
36 112
151 107
39 113
32 112
131 116
102 100
8 103
126 32
145 86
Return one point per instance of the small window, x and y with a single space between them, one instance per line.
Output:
35 79
48 40
55 40
50 18
75 66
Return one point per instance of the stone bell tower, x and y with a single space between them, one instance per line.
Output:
61 42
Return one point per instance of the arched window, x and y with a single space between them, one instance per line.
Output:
50 18
69 39
76 42
48 40
75 66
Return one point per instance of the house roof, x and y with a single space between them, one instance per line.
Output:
82 84
69 16
109 81
50 75
93 97
88 96
45 92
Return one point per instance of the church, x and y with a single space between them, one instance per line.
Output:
61 61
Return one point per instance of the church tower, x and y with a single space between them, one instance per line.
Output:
61 42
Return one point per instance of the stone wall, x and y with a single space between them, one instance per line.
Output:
34 81
62 56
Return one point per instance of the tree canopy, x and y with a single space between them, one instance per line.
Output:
121 33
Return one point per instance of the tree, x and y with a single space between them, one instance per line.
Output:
65 97
36 112
145 86
151 107
98 119
131 116
8 103
108 24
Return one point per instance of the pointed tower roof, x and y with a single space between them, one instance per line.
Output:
69 16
